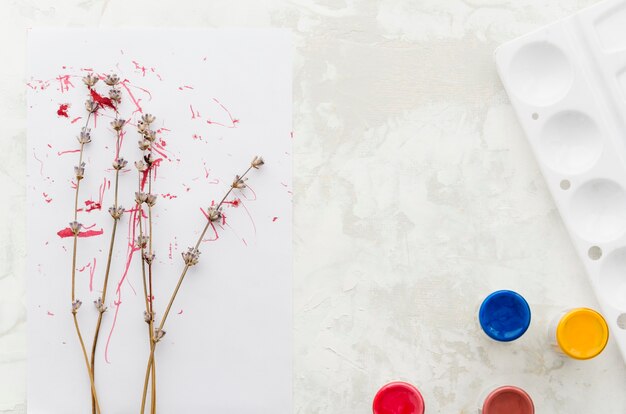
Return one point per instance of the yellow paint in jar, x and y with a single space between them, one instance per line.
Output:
582 333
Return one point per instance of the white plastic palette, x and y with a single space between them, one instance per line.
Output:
567 83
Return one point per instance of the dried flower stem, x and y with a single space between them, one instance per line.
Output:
147 136
74 253
151 367
182 277
102 300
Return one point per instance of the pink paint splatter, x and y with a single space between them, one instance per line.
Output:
134 100
50 313
47 198
65 82
67 232
194 114
40 163
59 153
76 119
91 266
233 121
37 84
274 219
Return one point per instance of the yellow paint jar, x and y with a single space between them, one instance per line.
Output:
580 333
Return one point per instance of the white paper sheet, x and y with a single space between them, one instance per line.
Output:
220 97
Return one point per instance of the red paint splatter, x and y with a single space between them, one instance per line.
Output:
46 198
102 100
92 205
180 88
62 111
67 232
76 119
168 195
233 203
274 219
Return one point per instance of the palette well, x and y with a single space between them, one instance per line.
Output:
567 84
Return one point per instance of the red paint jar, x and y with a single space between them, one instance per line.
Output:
508 400
398 398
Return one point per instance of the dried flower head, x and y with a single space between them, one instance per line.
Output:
75 227
151 200
116 212
239 182
115 94
90 80
141 166
148 118
79 171
140 197
119 163
158 334
191 256
76 306
112 79
148 258
150 135
141 126
100 305
142 241
118 124
85 136
148 316
214 214
144 144
91 106
257 162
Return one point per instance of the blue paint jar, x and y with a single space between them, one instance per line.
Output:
504 315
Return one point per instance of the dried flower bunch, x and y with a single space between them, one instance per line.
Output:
145 201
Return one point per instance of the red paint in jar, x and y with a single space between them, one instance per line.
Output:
508 400
398 398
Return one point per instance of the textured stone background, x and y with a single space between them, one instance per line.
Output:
415 196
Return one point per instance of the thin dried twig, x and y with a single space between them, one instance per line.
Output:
75 226
191 258
116 212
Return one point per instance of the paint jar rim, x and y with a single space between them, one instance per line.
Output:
596 327
521 307
520 394
398 386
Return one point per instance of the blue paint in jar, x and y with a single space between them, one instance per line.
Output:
504 315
